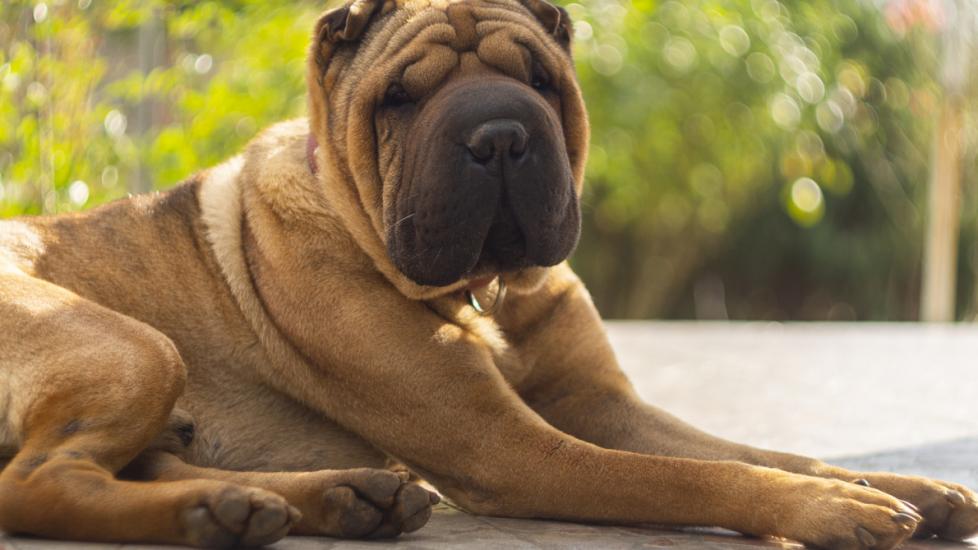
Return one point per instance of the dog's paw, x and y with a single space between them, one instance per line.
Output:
366 503
950 511
237 517
838 515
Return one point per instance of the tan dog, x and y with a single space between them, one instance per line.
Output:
313 309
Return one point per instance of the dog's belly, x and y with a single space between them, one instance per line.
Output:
245 426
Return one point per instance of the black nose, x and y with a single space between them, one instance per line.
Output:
498 137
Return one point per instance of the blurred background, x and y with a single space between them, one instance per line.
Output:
751 159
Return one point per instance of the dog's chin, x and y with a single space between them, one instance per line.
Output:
490 264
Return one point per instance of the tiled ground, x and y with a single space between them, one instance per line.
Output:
891 397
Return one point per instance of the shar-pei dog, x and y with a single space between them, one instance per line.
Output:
375 295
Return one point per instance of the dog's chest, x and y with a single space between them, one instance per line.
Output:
8 437
513 368
506 357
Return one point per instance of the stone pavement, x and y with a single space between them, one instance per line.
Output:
902 398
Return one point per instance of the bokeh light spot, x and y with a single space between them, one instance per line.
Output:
707 180
680 54
40 12
78 193
768 10
37 94
110 176
583 31
806 202
810 87
829 116
760 67
607 59
850 76
115 123
734 40
203 64
785 111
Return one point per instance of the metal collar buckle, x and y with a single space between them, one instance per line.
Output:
496 305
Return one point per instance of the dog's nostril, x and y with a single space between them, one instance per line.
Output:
497 137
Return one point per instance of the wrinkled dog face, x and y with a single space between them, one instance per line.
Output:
473 119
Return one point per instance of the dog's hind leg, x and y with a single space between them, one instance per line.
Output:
355 503
89 389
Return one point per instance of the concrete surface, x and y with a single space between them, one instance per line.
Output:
902 398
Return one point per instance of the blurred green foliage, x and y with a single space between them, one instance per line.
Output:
72 92
757 159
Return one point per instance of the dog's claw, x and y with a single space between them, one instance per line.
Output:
956 498
905 518
862 482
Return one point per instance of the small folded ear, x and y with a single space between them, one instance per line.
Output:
554 19
343 24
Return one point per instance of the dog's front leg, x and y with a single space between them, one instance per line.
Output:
424 390
576 385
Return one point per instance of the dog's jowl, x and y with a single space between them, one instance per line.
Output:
238 358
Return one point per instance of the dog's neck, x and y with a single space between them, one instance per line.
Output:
311 147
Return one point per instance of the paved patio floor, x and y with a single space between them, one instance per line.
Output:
902 398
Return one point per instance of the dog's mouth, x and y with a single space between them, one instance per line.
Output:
505 246
501 249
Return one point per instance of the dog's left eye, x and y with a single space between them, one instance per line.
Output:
396 96
540 79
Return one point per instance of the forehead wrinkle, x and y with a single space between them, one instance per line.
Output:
430 70
500 51
510 10
522 22
407 30
418 5
438 33
417 21
535 40
508 3
416 14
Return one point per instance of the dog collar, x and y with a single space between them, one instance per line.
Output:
496 305
311 148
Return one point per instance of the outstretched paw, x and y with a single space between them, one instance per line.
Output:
950 511
238 516
367 503
839 515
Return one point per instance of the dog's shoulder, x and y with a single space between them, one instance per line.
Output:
20 244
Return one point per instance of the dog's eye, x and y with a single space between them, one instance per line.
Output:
540 79
396 96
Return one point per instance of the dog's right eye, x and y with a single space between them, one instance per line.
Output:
540 80
396 96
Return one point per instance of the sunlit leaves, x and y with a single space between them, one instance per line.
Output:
794 104
74 102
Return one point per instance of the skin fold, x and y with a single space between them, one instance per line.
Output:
243 356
